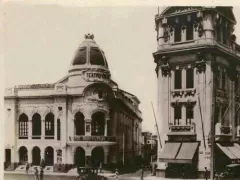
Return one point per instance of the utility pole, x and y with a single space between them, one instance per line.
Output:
123 148
151 148
213 120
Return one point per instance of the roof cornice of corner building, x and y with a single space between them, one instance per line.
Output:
197 8
216 47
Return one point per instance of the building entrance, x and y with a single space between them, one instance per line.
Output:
184 171
49 156
79 158
97 156
23 155
36 156
8 156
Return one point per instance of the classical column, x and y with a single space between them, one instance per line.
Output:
55 155
183 119
88 153
172 113
55 126
183 30
42 154
29 156
183 78
14 155
160 33
105 127
88 127
208 26
43 129
106 150
30 129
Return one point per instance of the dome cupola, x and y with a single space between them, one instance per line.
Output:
88 54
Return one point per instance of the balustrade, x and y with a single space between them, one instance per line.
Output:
92 138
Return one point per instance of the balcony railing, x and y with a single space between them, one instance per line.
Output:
182 128
35 137
92 138
225 130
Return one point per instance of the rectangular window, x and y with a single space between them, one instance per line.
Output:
189 78
177 34
219 33
216 114
177 115
178 79
218 79
223 80
236 117
224 108
236 85
189 115
224 34
189 31
58 129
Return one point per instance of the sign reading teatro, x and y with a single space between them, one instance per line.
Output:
96 75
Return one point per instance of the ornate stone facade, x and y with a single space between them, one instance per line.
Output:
74 121
201 45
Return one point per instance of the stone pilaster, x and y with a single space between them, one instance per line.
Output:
42 129
184 78
30 129
184 34
88 128
42 154
29 156
106 150
183 119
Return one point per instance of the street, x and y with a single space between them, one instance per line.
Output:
61 176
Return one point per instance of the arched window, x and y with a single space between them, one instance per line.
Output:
23 155
79 124
96 57
97 156
23 126
49 156
36 126
36 157
49 126
98 122
79 157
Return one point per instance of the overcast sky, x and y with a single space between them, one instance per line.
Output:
40 42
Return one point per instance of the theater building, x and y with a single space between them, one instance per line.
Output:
83 119
195 43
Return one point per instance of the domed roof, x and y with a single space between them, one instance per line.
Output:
89 53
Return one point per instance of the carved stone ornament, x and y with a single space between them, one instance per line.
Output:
60 87
199 28
177 93
98 95
165 35
96 75
221 93
165 67
200 63
190 92
176 104
190 103
232 73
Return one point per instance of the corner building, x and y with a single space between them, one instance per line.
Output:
83 119
195 43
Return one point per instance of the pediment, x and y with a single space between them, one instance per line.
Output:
172 10
226 12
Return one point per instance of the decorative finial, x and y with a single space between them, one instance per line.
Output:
89 36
